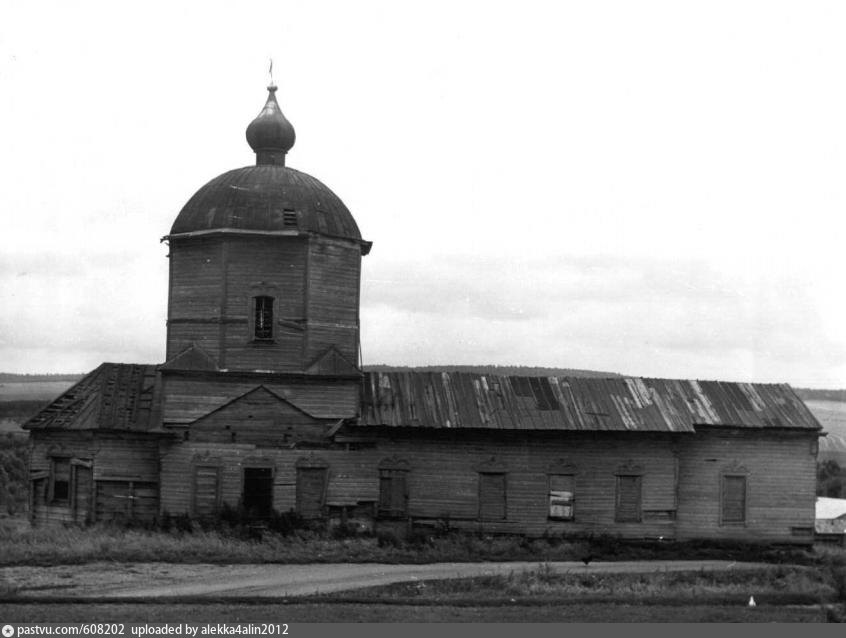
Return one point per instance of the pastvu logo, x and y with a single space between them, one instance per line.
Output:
8 631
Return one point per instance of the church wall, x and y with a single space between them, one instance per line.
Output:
444 478
186 397
780 476
334 269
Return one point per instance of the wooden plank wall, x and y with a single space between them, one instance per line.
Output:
112 457
443 481
185 398
781 484
333 281
212 284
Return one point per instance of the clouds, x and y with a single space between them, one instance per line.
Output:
653 317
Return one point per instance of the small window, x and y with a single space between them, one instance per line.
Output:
628 499
61 480
393 493
733 508
492 496
562 492
263 318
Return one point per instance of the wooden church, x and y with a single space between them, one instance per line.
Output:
261 404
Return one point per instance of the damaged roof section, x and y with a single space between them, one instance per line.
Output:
461 400
114 396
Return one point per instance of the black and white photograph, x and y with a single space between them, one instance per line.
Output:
486 314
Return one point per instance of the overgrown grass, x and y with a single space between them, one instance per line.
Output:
782 582
288 540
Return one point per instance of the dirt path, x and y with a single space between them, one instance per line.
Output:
153 580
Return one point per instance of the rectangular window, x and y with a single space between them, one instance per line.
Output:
263 319
562 492
61 480
311 491
206 489
734 499
628 499
492 496
393 494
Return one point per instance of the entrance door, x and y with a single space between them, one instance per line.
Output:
311 488
258 491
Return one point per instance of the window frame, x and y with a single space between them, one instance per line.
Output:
52 498
269 331
504 475
618 498
571 502
387 477
724 521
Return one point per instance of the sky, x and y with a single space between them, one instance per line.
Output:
650 188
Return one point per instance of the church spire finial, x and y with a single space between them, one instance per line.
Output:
270 134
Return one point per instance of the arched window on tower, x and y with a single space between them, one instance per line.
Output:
263 318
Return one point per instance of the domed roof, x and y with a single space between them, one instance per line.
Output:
268 197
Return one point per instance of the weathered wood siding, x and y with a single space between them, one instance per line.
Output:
212 285
257 418
443 478
780 470
334 268
187 398
112 458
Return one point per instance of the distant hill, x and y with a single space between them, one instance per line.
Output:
517 371
10 377
808 394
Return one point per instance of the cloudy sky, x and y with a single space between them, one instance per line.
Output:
653 188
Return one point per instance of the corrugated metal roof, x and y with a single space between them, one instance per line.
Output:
461 400
114 396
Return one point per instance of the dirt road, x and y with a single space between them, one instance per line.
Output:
154 580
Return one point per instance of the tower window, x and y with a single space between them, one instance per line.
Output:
263 318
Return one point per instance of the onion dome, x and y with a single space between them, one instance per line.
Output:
269 197
271 135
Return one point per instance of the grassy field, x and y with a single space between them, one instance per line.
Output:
173 542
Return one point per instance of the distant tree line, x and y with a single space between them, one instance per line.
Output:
808 394
830 479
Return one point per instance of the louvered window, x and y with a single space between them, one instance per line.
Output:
733 499
562 496
289 218
263 319
628 499
492 496
393 493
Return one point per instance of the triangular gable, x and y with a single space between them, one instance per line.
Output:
259 391
258 417
332 362
191 358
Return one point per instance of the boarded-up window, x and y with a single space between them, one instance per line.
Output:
562 496
393 493
492 496
734 499
258 491
206 489
263 317
311 491
628 499
61 480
